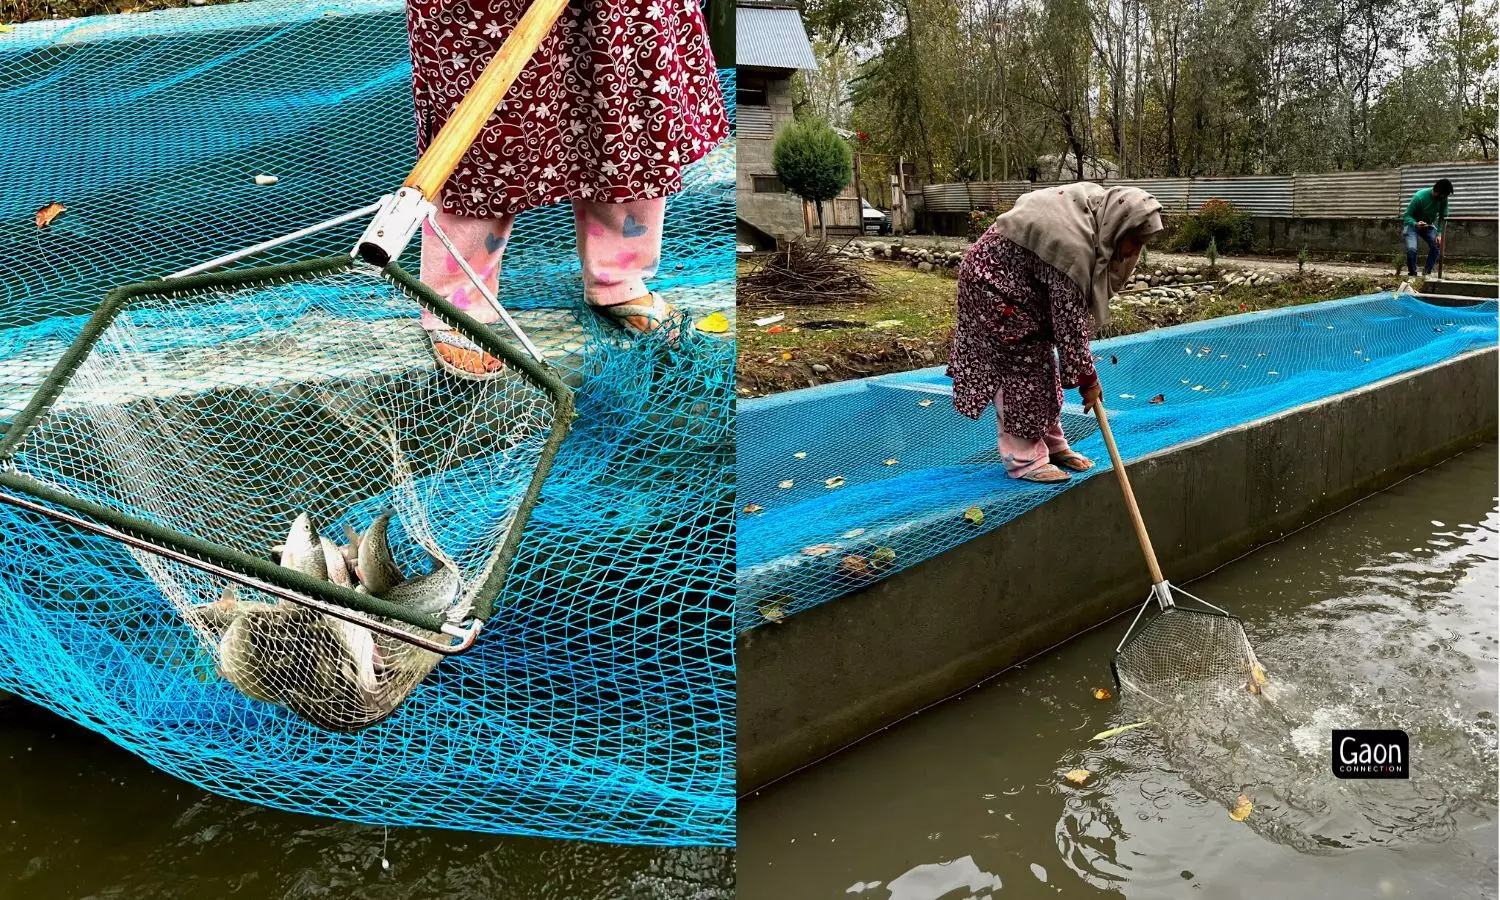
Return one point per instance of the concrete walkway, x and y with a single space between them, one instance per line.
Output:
1264 263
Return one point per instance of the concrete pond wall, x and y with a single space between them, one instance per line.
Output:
838 672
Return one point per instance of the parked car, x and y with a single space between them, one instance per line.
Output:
877 221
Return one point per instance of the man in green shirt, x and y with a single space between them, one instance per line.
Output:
1425 216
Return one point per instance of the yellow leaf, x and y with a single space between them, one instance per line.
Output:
716 323
773 614
1242 808
1102 694
801 455
266 180
1078 776
786 356
883 556
854 533
891 462
924 402
785 484
754 508
5 29
819 549
1258 673
974 514
835 481
46 214
856 567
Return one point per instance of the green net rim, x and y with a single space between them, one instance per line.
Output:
35 412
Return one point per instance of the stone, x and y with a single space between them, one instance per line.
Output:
924 266
820 368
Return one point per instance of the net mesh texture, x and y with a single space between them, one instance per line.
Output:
598 704
1184 656
844 484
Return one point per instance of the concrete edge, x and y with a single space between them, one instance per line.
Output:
833 674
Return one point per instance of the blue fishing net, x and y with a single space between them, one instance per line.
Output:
599 702
844 484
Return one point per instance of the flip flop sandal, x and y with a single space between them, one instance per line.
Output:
459 342
1046 470
658 313
1074 462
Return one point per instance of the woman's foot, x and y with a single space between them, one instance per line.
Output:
641 316
1048 474
462 358
1073 461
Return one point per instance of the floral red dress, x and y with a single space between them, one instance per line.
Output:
621 95
1018 318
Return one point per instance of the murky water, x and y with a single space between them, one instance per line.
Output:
1382 616
81 818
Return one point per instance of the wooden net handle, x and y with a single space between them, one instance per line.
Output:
476 107
1135 511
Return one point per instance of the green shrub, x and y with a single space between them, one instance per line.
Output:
1302 259
980 221
814 163
1217 222
1212 253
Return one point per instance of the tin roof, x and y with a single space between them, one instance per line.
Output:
771 38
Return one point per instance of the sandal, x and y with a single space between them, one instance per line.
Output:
1048 474
640 317
463 358
1073 461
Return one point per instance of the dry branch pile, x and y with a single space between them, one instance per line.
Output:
804 273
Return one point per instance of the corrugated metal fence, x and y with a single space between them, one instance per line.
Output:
1334 195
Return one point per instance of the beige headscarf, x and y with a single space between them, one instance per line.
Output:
1074 229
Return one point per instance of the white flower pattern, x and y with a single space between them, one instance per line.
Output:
621 96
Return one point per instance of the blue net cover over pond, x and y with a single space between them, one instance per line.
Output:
851 482
599 704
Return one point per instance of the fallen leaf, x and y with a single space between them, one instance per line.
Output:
924 402
891 462
835 481
753 508
1257 673
1106 735
773 614
776 330
1114 360
856 567
785 484
819 549
6 29
1127 396
883 556
1273 373
1242 807
1197 387
1078 776
266 180
854 532
46 214
1190 351
1159 398
974 514
800 455
1102 694
716 323
786 356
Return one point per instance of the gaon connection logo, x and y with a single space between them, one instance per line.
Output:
1372 753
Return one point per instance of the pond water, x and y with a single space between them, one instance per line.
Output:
81 818
1382 616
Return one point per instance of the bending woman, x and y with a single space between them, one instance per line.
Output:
1031 292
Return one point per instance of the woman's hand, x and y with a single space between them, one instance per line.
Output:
1091 395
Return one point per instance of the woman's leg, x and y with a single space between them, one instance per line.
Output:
619 247
482 244
1021 456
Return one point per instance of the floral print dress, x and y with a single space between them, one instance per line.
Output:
1023 333
621 95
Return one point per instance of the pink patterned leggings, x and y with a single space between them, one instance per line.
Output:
1021 456
619 246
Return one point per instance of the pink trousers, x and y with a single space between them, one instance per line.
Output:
1022 457
619 246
